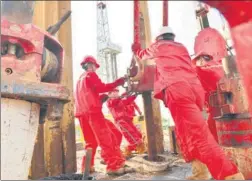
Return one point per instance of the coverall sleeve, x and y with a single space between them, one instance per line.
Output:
147 53
129 100
98 85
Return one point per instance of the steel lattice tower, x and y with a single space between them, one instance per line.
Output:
106 50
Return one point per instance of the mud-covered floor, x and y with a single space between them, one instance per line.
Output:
177 170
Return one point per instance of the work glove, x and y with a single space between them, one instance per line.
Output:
140 118
104 98
120 81
135 47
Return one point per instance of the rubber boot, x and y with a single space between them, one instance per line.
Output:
127 153
140 149
237 176
199 171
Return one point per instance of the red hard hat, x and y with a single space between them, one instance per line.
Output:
200 53
90 59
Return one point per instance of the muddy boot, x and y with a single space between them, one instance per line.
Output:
127 153
140 149
199 171
237 176
121 171
117 172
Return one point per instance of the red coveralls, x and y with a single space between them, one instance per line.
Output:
131 109
96 129
123 120
209 76
176 83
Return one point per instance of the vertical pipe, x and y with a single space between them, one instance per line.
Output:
136 21
150 131
165 12
153 119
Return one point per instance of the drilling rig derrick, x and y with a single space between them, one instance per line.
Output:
106 50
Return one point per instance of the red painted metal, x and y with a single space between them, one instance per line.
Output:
235 132
239 16
165 12
136 21
21 75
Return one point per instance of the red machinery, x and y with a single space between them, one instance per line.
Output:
31 69
233 99
32 62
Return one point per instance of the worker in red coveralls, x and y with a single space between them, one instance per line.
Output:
177 85
131 108
209 73
118 108
208 55
95 128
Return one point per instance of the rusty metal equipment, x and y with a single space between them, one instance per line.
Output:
230 102
32 62
233 121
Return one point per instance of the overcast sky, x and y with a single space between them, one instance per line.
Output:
120 15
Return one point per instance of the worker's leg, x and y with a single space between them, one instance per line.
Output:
140 148
138 133
116 132
194 138
129 132
110 151
90 140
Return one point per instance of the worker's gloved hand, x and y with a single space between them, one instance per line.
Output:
104 98
120 81
140 118
135 47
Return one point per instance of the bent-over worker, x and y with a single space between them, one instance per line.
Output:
177 85
118 108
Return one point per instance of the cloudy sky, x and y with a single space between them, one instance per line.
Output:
120 15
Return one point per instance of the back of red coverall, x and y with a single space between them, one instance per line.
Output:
176 83
123 120
96 129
